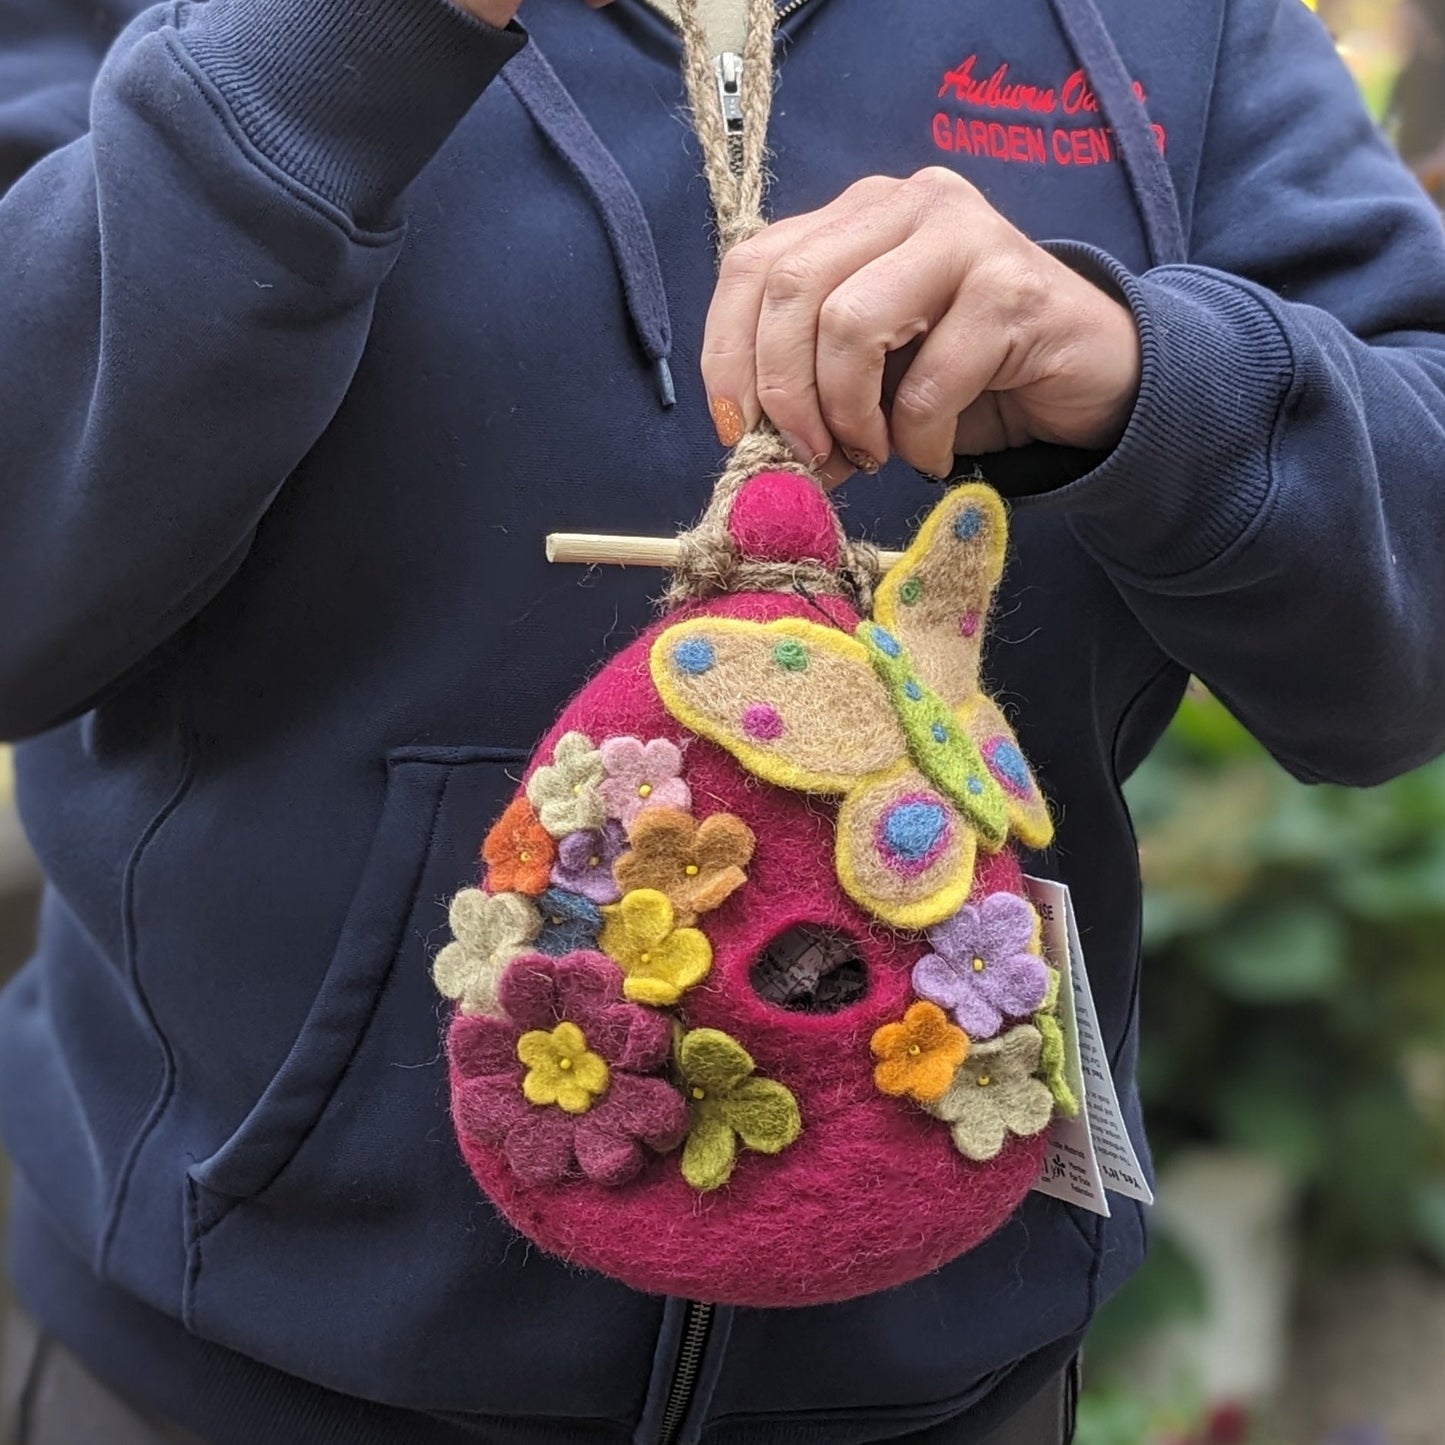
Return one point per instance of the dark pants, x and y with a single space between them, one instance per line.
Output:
47 1397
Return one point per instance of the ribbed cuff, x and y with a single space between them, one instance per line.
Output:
349 98
1191 473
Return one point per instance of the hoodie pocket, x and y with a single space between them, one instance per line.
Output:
337 1235
389 911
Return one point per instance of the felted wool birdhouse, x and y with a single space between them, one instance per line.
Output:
750 1004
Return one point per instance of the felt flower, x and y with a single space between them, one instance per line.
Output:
518 851
570 1081
489 930
584 862
561 1069
697 865
995 1094
570 923
985 969
729 1104
566 793
642 775
918 1056
660 960
1052 1063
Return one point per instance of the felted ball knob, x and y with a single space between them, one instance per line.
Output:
784 517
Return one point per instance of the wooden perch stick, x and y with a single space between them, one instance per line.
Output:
593 549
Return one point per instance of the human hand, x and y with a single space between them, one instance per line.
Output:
908 316
500 12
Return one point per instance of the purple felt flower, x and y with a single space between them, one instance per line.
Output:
566 1017
642 775
584 863
984 969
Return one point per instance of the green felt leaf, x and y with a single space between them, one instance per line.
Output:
711 1148
713 1061
765 1115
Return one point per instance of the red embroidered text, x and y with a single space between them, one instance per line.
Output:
1060 144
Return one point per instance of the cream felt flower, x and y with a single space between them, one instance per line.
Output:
489 930
660 960
995 1094
566 793
642 775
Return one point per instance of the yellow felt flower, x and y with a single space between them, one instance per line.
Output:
660 961
561 1069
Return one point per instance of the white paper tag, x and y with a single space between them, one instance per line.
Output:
1091 1152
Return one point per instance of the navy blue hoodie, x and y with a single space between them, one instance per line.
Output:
316 315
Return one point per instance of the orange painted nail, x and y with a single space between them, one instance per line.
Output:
727 417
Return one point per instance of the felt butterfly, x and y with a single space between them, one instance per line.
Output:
890 719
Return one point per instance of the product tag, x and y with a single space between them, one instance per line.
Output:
1091 1152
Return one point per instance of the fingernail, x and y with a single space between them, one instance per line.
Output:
836 471
799 448
727 417
861 460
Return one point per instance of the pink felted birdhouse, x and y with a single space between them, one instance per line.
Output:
750 1006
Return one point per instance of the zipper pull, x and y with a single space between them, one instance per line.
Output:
729 70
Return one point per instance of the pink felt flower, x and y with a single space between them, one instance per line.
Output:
985 968
642 775
566 1018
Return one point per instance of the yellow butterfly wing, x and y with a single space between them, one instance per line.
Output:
796 703
935 599
903 851
1028 813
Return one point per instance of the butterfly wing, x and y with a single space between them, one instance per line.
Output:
1028 813
935 599
797 704
904 852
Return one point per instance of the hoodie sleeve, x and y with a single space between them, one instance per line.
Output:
195 216
1275 513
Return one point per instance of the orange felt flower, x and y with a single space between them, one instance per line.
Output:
919 1056
697 865
519 852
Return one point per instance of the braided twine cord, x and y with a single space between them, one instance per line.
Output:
709 563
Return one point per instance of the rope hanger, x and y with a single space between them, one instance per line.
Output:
705 561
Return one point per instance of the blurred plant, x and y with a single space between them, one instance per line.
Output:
1294 993
1117 1415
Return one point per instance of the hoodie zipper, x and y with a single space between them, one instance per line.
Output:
696 1324
697 1321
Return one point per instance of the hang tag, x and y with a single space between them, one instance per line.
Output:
1092 1152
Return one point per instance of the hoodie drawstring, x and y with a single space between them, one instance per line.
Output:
542 94
1134 134
554 112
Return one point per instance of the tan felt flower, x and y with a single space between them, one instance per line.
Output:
995 1094
567 792
697 865
489 930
